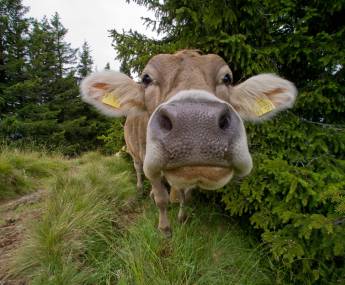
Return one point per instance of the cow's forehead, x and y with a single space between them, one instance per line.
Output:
184 70
210 63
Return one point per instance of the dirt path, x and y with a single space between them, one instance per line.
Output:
15 216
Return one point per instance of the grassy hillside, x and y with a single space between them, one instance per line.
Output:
206 250
23 172
93 230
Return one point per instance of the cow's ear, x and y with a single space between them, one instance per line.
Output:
262 96
113 93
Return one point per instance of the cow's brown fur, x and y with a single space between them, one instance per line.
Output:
171 77
135 137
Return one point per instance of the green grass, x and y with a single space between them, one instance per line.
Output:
208 249
94 231
82 210
23 172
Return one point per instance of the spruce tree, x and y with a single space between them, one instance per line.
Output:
42 59
65 55
13 51
42 56
13 27
39 94
85 61
295 195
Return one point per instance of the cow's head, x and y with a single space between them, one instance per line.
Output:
195 134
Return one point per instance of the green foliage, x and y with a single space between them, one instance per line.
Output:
13 27
86 62
65 56
309 38
298 209
227 28
295 196
113 139
39 93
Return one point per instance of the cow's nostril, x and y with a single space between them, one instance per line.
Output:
224 121
165 123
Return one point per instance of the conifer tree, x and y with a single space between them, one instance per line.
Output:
85 61
42 55
42 60
13 27
295 195
13 51
65 55
39 94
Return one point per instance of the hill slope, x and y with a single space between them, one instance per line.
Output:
92 229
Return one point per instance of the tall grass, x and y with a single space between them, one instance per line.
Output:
207 250
93 231
22 172
82 207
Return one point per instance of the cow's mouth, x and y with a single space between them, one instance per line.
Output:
206 177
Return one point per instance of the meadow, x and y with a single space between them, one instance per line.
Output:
91 227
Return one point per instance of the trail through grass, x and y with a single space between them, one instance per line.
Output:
94 230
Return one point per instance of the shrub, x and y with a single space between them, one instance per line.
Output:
295 197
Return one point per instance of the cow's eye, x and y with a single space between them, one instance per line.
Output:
227 79
146 80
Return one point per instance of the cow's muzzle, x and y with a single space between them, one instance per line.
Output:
198 129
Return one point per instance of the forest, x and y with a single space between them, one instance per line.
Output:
288 214
39 86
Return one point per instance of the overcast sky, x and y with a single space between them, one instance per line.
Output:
90 20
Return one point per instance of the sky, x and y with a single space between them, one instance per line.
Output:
90 20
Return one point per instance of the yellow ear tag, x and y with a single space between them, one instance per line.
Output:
110 99
263 106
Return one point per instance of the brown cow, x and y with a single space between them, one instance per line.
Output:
190 117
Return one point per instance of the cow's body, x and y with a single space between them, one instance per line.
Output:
185 120
135 137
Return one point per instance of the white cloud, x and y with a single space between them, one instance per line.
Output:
90 20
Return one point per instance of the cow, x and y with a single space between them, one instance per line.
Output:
185 120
